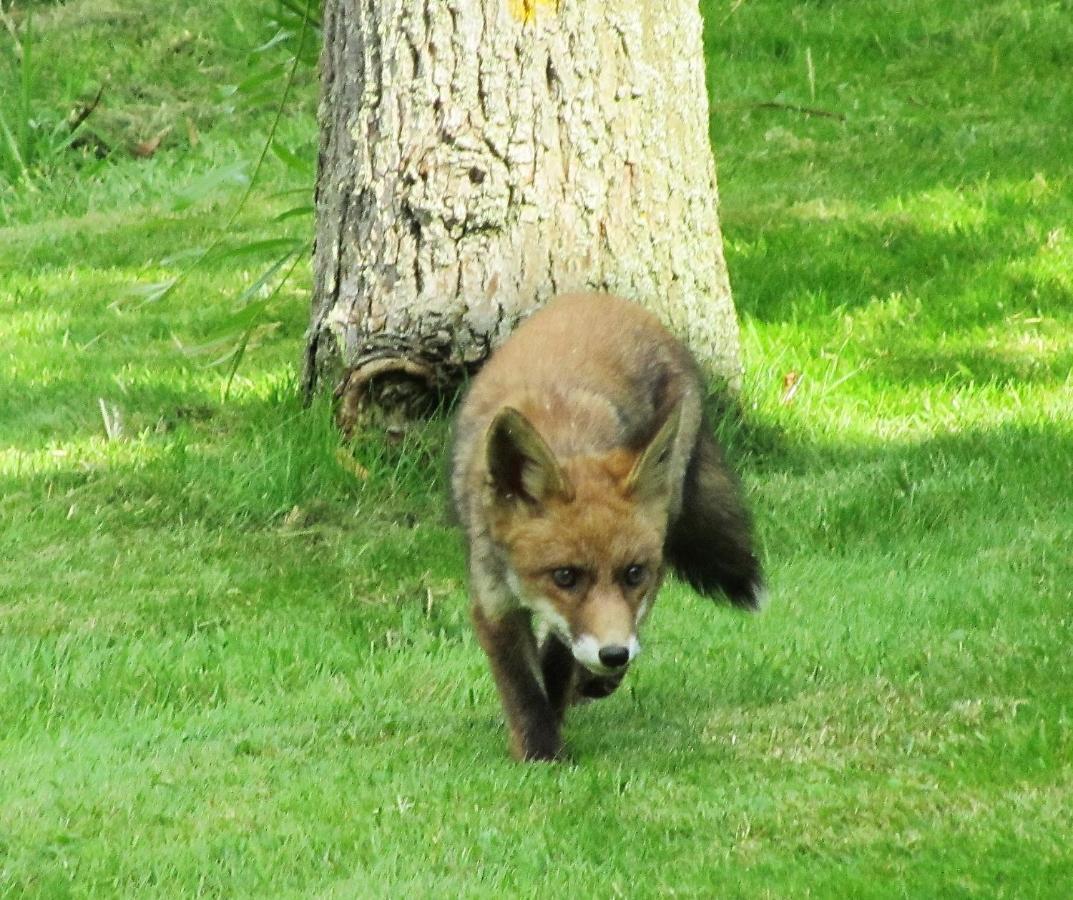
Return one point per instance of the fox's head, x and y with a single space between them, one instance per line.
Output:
583 537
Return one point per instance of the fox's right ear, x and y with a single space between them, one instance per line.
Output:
520 464
651 474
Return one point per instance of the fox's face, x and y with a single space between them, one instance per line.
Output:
583 539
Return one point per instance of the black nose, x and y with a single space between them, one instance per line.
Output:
613 656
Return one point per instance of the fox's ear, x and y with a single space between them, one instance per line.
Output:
520 463
650 476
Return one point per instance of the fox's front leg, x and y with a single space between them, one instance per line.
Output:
510 646
558 669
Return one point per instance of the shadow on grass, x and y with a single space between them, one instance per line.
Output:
118 241
976 366
249 464
67 409
246 463
205 525
804 268
848 498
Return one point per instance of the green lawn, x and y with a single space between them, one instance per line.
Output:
232 664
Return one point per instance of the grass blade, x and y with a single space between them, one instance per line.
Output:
25 93
10 158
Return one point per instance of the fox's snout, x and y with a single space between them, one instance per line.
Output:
614 656
603 658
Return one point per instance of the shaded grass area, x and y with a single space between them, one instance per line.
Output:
236 657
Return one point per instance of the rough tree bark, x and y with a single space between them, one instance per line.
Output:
479 156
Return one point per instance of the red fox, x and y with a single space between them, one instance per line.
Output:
582 466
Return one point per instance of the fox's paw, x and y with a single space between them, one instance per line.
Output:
596 687
540 751
543 754
537 745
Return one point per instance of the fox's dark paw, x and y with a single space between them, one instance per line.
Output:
596 687
542 753
539 745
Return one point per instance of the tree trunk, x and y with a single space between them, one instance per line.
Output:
479 156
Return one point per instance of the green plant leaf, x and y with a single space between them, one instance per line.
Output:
295 212
303 165
284 34
258 79
255 248
301 12
265 277
221 180
149 293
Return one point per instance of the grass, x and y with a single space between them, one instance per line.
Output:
232 663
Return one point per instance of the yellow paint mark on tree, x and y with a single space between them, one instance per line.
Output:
527 10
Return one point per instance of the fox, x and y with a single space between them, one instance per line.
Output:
583 468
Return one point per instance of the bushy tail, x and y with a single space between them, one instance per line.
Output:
710 545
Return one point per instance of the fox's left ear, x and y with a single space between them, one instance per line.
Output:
650 477
520 464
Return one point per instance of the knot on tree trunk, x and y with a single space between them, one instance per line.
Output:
397 377
397 385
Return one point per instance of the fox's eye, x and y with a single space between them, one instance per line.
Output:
565 577
634 575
